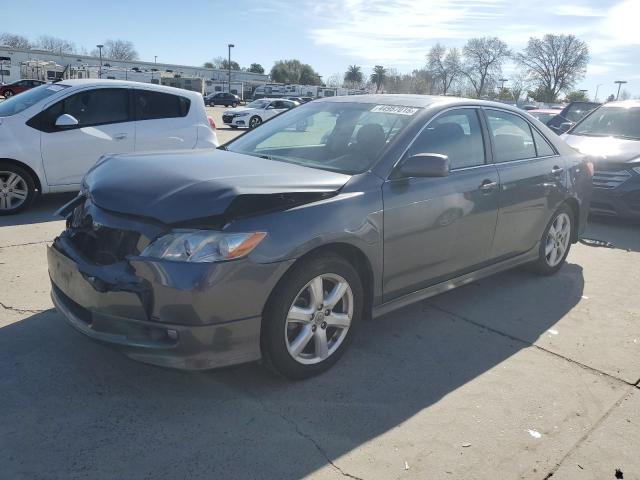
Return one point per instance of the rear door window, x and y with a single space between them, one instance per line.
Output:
511 135
542 146
155 105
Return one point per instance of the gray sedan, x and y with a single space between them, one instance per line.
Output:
280 244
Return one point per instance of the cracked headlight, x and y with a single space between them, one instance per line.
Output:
203 246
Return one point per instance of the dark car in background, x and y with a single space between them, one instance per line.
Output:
281 243
222 98
570 115
610 135
20 86
544 114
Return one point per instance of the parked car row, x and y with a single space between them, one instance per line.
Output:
11 89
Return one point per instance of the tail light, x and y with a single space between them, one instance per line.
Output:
212 124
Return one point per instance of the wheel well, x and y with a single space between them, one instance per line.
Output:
575 208
360 262
26 167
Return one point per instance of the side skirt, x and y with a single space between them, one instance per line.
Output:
442 287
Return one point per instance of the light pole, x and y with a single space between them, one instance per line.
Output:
597 88
100 47
231 45
619 82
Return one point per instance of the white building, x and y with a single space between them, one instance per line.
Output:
16 64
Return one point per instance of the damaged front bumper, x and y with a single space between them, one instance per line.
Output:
173 314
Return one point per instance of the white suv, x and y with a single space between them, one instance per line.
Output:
51 135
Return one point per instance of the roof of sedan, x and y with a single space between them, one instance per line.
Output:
420 101
126 83
623 104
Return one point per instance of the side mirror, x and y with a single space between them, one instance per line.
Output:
425 165
66 121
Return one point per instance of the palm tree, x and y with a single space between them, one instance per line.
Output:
378 76
353 76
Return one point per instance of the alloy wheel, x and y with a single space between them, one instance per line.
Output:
13 190
558 239
254 122
319 319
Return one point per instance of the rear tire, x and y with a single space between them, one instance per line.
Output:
17 189
8 94
555 242
300 333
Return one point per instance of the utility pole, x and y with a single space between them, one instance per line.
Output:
597 88
231 45
502 80
100 47
619 82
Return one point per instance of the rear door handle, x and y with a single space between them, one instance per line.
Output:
556 170
487 186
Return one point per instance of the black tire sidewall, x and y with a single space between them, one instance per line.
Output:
31 186
259 121
274 349
541 266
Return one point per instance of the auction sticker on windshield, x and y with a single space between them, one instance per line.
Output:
398 110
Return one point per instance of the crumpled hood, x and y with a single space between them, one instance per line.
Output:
175 187
605 149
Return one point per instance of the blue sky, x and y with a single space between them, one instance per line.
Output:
332 34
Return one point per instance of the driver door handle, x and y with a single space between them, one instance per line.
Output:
120 136
487 186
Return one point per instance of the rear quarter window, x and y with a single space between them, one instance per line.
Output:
155 105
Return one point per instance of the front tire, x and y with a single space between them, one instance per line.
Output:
556 242
255 121
312 316
17 189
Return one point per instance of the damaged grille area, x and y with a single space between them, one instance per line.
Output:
100 244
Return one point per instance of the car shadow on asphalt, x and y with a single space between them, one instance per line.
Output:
71 407
621 233
43 210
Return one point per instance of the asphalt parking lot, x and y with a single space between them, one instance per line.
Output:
516 376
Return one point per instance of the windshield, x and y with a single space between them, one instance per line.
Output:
22 101
341 137
611 122
258 104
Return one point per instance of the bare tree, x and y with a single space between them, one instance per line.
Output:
446 66
483 59
55 44
334 81
519 84
555 63
118 50
15 41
